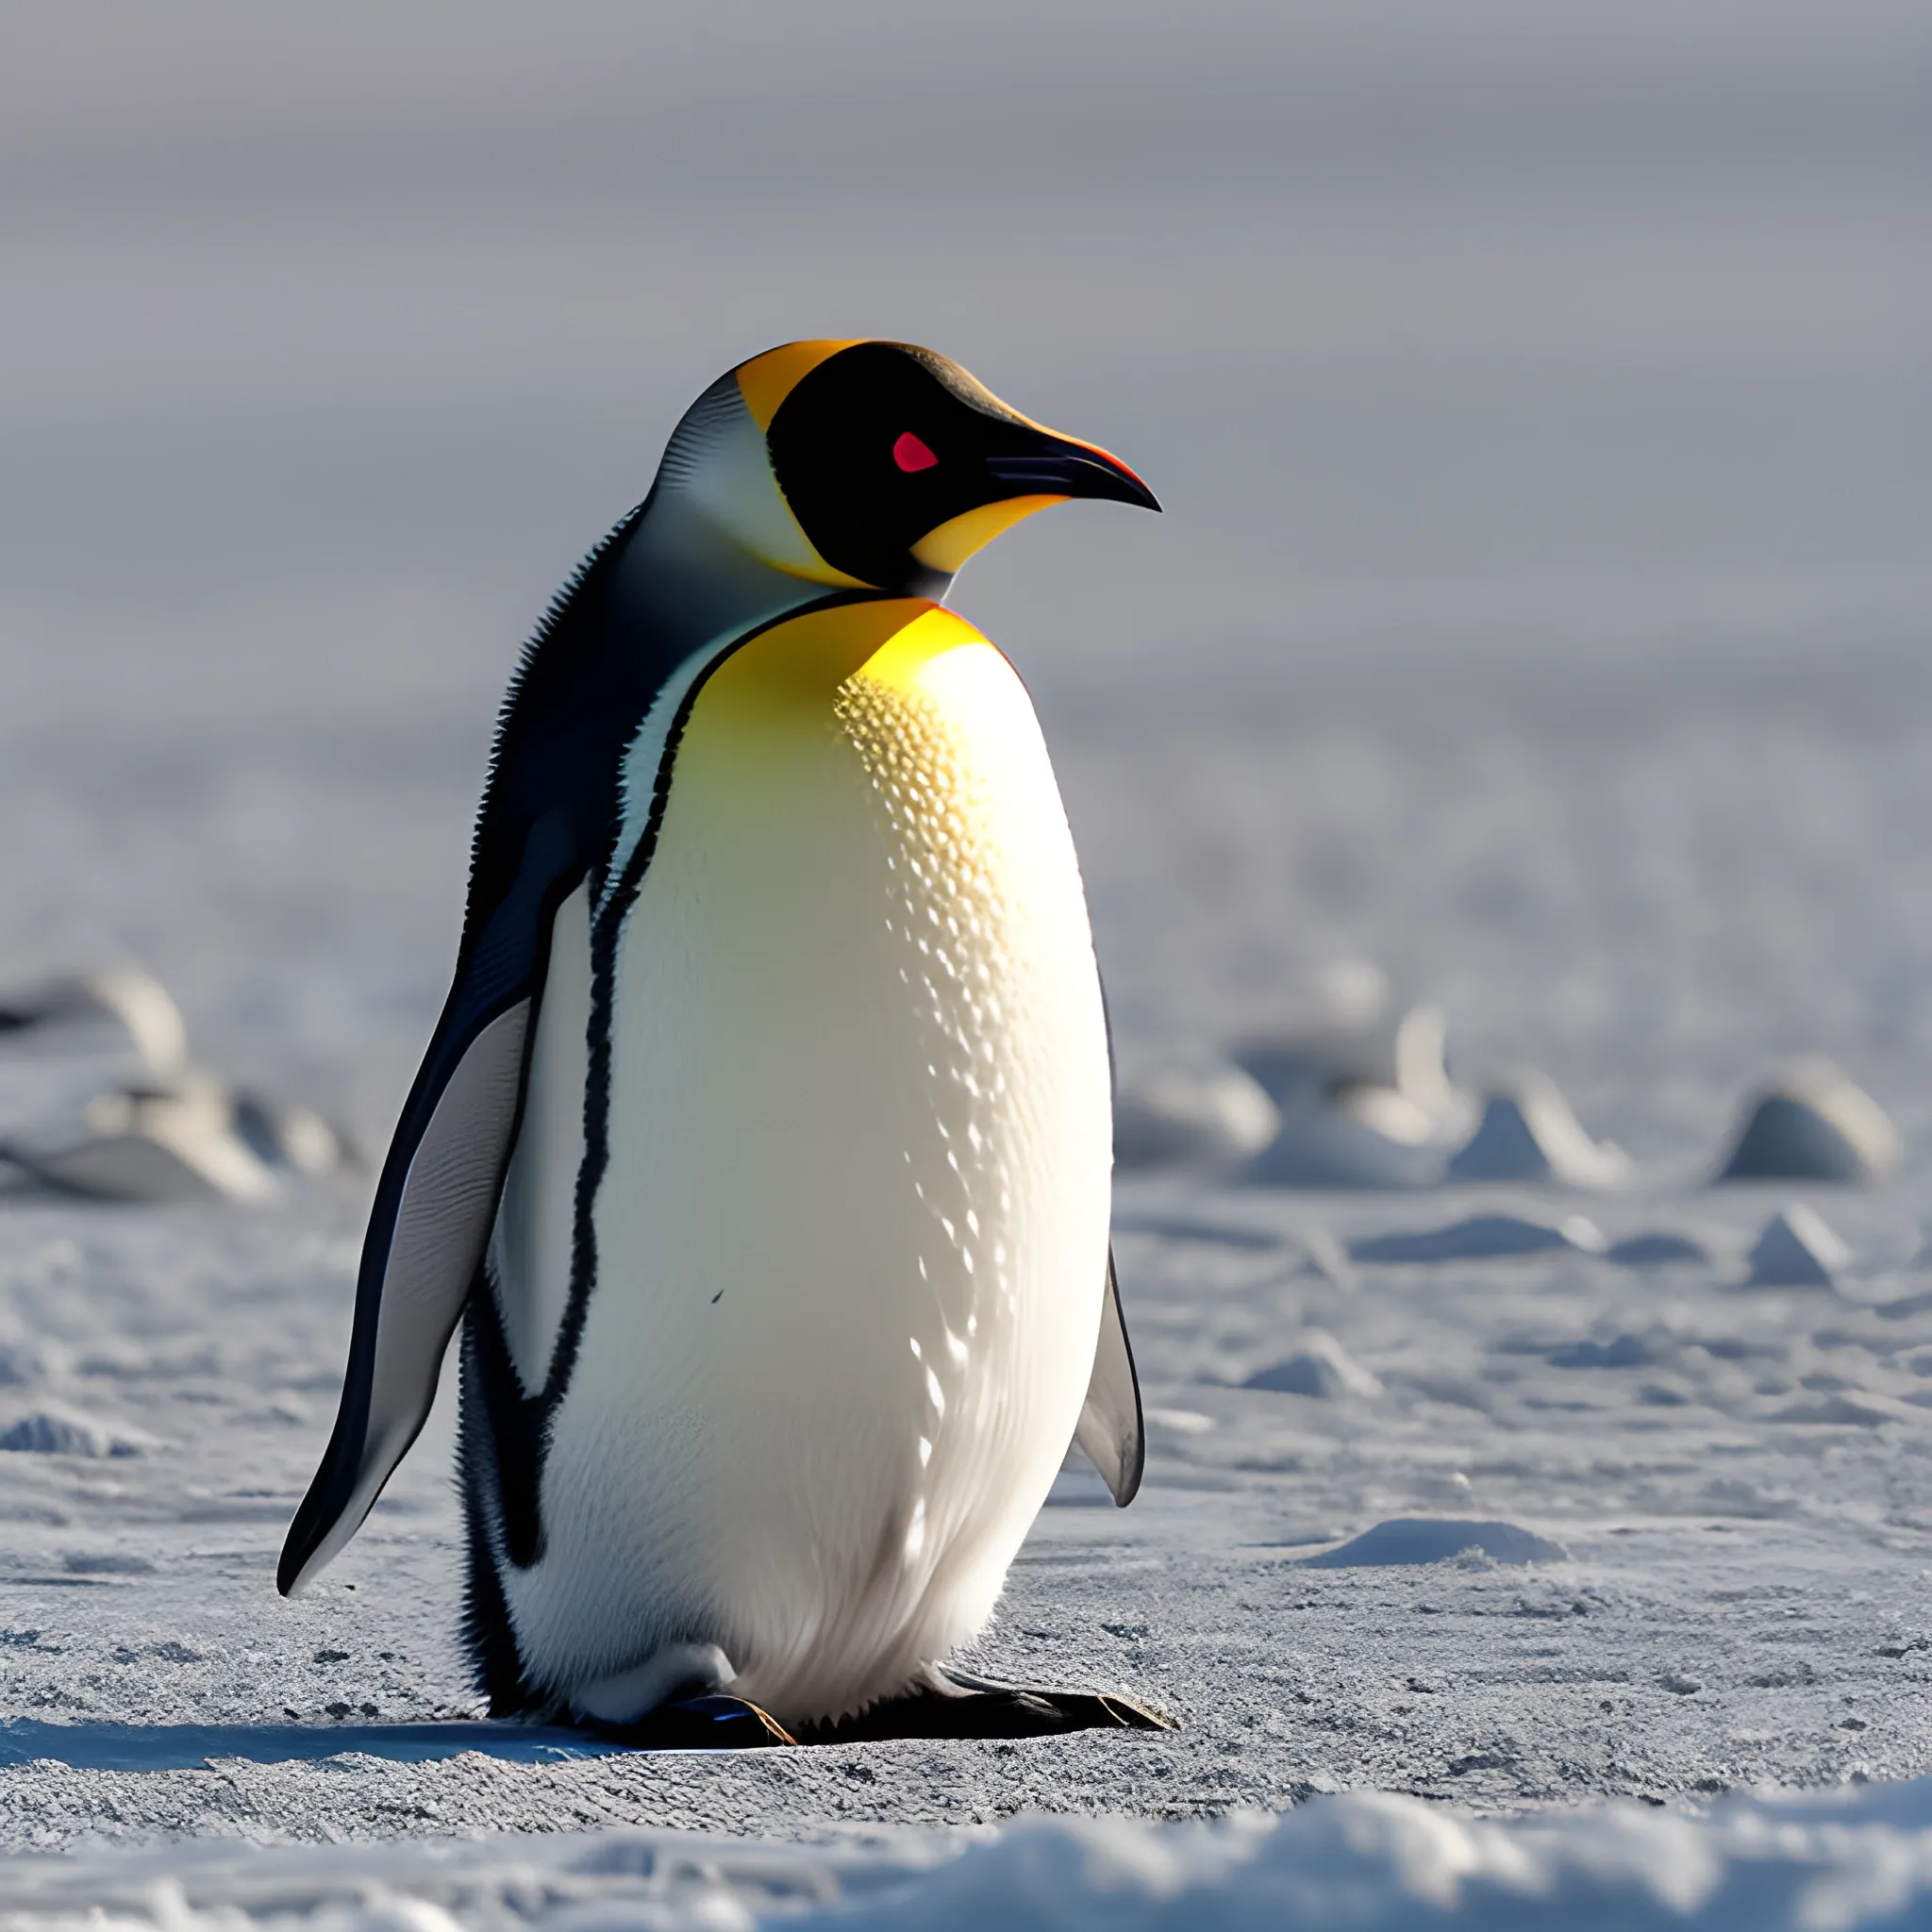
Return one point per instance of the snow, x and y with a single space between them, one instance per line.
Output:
1371 1863
1724 1493
1540 614
1439 1540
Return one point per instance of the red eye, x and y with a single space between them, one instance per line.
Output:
911 454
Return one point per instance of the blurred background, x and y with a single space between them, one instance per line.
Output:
1539 395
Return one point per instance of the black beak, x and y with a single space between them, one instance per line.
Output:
1073 469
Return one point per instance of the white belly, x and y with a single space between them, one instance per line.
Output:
852 1233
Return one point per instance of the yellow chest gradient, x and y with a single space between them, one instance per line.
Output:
852 1232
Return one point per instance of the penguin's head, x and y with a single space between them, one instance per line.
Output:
873 464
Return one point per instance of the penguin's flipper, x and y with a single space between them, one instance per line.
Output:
434 1210
1110 1433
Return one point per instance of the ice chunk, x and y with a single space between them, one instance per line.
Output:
1812 1123
1329 1146
1796 1250
130 1167
177 1142
1527 1133
191 1138
1482 1236
132 1002
1656 1251
66 1432
1405 1056
1321 1366
1200 1117
284 1134
1434 1539
176 1134
1361 1105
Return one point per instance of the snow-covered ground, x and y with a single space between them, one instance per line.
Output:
1540 613
1739 1478
1369 1863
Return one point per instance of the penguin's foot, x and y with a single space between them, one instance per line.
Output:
711 1723
950 1707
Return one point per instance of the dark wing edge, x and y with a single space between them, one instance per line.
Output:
1111 1434
435 1206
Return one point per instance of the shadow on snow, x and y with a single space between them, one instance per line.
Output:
191 1747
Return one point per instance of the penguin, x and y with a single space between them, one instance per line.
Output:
763 1147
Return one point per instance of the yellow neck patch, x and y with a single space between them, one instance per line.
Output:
948 546
766 380
807 658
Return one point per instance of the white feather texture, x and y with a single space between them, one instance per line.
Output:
852 1235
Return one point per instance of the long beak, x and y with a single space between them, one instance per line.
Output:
1063 468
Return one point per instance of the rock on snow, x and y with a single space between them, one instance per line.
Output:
1527 1133
1813 1124
1796 1250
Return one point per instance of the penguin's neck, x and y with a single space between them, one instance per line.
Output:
682 573
683 582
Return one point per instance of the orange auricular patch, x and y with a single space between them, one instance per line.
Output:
766 380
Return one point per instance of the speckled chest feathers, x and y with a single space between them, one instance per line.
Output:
849 1232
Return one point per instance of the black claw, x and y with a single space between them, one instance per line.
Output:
1132 1715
